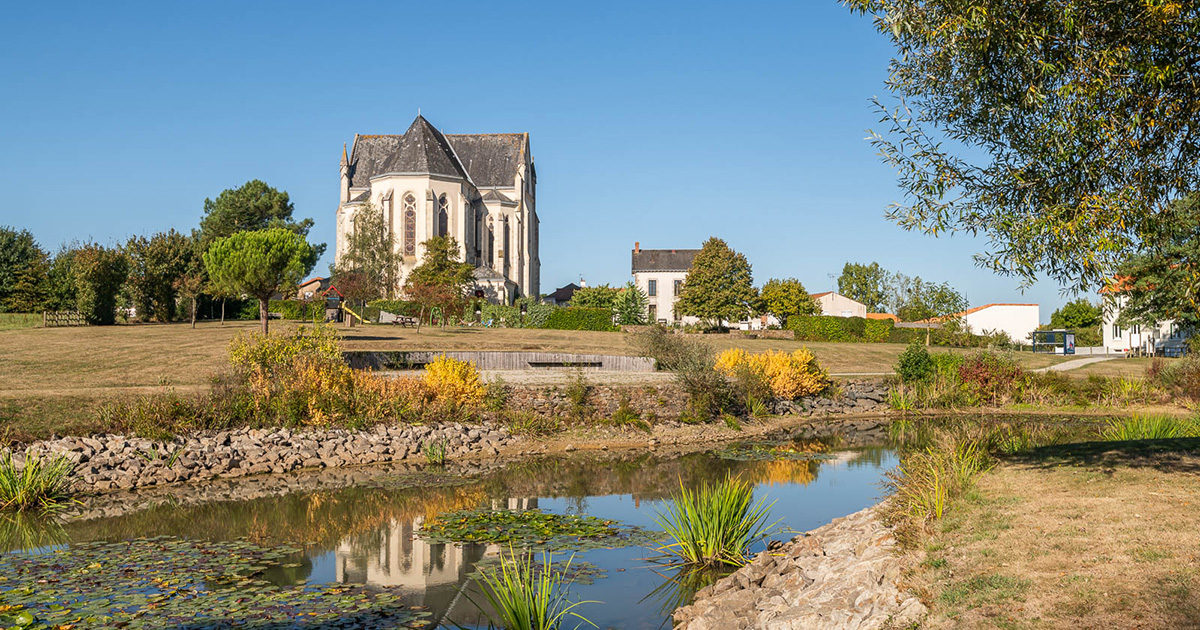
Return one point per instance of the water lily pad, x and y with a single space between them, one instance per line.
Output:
533 529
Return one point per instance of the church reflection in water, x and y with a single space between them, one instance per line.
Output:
427 574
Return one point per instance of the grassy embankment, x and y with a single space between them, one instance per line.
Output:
1091 535
52 380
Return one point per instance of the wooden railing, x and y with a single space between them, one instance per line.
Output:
63 318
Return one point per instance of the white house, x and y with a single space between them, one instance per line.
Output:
478 188
838 305
660 273
1018 321
1138 338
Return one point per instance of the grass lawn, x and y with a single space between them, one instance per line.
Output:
13 321
53 379
1097 535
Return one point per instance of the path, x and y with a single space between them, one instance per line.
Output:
1072 364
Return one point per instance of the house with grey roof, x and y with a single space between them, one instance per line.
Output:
660 273
478 188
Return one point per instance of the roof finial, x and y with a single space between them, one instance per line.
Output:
418 112
345 158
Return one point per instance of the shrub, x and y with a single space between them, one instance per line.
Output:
397 307
827 328
1182 377
709 392
715 524
40 485
580 319
990 375
256 352
496 395
915 364
877 330
578 392
303 310
454 382
790 375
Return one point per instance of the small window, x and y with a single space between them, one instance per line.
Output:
653 311
443 216
652 288
1136 329
678 286
1116 330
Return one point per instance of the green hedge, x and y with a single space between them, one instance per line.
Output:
396 307
572 318
295 309
848 329
877 330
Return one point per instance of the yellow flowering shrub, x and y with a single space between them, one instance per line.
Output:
257 352
454 382
790 375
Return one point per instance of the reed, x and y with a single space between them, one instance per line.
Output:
523 596
715 524
42 484
1150 427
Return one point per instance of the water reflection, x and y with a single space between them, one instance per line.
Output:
368 534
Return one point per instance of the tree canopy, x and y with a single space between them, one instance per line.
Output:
1057 129
1162 281
601 296
630 305
787 298
369 267
864 283
252 206
20 257
719 286
1077 315
441 280
258 263
155 264
98 273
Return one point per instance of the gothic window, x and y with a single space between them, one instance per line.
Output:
410 225
443 226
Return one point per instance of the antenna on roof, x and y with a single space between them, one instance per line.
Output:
418 111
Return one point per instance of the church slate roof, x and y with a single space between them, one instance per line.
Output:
486 272
495 195
663 259
490 159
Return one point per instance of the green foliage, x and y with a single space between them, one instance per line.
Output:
715 524
921 300
787 298
155 266
522 597
60 281
1161 281
924 485
719 286
369 266
441 280
914 364
532 424
258 263
251 207
1050 106
299 310
99 273
694 364
572 318
831 328
630 305
434 452
18 250
397 307
1150 427
1082 316
42 484
530 529
868 284
602 296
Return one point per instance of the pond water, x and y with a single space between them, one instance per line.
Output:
366 534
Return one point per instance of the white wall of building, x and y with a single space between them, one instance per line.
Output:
664 293
1015 320
1118 338
838 305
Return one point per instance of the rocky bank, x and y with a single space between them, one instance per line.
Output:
841 575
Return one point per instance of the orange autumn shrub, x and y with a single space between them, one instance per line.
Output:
454 382
790 375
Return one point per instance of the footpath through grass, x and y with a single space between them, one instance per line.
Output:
1093 535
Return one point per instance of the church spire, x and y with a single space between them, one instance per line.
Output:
345 158
345 170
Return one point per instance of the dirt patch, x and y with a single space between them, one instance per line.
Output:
1083 536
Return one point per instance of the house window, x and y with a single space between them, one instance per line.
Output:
652 288
410 225
443 226
653 312
1135 329
1116 330
678 286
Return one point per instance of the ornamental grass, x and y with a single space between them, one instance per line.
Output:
523 596
715 524
42 484
1150 427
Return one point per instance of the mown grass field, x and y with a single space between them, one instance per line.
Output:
53 379
1095 535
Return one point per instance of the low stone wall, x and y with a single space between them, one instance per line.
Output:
497 360
106 462
841 575
653 402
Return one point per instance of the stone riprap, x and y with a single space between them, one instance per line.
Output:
106 462
841 575
856 397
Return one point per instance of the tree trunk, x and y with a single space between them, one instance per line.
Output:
420 318
193 312
928 333
262 314
222 311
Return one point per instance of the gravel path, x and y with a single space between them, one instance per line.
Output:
1066 366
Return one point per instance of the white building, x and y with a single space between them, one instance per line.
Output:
1138 338
837 305
478 188
660 273
1018 321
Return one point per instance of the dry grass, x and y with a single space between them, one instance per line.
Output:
1116 368
1083 536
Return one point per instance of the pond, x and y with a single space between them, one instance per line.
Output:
358 550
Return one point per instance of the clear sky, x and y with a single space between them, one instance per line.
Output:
662 123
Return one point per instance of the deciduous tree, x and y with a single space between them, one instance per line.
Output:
21 259
441 279
99 273
926 301
155 266
1058 129
1162 281
258 264
369 267
719 286
865 283
601 296
787 298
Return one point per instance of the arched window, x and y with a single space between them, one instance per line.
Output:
410 225
443 216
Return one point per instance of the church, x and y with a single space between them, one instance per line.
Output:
478 188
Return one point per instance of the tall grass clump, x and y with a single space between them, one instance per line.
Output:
928 480
524 596
1150 427
42 484
715 524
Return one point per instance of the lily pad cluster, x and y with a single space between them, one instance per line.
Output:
170 582
533 529
573 572
757 452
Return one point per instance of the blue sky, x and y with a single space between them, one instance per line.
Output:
654 122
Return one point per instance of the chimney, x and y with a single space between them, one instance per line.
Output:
582 283
637 247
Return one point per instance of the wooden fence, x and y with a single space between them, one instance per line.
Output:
63 318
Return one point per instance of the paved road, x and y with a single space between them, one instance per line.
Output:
1066 366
